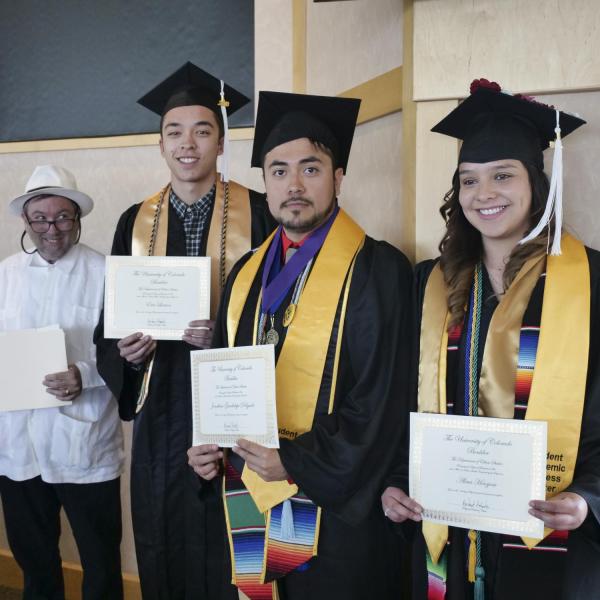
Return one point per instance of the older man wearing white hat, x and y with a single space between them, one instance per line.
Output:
71 456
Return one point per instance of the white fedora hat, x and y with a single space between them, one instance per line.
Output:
54 181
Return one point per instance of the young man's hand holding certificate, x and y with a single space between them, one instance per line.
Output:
234 406
233 396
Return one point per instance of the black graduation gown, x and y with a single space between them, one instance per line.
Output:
342 461
517 574
170 508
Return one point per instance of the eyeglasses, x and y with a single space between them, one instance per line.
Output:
43 226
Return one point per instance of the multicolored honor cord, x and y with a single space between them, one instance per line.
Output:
476 573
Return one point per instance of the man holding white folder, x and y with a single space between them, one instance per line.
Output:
68 456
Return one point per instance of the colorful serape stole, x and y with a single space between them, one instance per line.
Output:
287 551
526 361
437 575
454 334
291 531
247 536
528 344
555 542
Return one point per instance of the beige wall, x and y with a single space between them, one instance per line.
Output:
371 191
581 152
532 45
351 42
348 43
273 30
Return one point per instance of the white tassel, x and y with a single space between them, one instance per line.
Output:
225 156
287 521
557 165
554 201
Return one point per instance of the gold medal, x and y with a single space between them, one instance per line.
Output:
288 316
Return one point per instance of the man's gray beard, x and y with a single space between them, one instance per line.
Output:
313 223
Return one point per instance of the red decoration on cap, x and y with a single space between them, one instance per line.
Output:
477 84
484 83
533 100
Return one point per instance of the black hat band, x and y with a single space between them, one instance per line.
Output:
295 125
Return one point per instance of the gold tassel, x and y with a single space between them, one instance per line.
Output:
472 555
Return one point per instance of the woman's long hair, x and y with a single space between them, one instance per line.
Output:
461 248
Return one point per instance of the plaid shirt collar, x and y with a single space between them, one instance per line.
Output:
202 205
194 218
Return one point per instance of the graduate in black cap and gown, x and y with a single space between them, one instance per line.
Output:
199 213
338 312
519 300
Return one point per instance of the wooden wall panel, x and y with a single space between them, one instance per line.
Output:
436 163
349 43
273 54
527 46
581 153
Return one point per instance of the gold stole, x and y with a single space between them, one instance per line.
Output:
559 379
229 238
231 217
302 359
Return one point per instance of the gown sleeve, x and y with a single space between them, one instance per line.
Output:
398 475
123 380
586 481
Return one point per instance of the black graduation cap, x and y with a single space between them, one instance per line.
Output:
285 117
495 125
188 86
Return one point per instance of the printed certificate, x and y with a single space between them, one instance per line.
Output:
478 472
157 295
28 355
233 396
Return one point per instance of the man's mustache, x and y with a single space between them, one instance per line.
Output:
295 200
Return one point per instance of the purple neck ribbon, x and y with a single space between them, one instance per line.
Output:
277 281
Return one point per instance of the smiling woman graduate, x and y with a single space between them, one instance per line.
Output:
509 320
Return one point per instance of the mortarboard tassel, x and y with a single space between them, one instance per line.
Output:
225 156
479 587
472 561
554 201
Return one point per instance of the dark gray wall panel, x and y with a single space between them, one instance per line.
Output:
75 68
